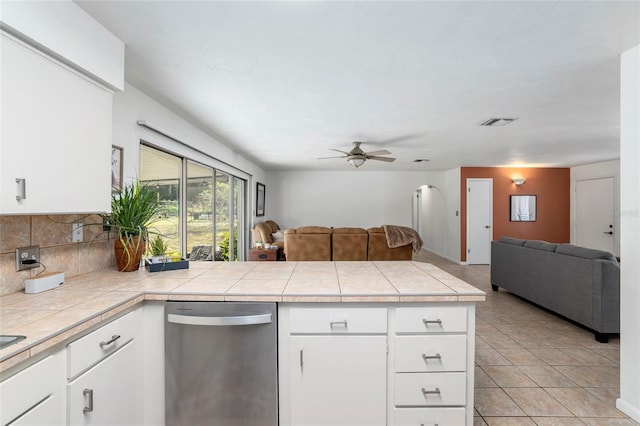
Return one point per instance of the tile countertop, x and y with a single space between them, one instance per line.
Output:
54 316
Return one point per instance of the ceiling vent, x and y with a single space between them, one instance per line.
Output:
493 122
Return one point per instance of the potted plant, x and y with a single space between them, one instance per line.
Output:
158 249
132 210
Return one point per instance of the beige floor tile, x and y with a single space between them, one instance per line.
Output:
592 375
521 356
509 421
553 356
499 340
495 402
481 344
557 421
508 376
547 376
606 395
536 402
479 421
608 422
581 403
587 356
482 379
490 357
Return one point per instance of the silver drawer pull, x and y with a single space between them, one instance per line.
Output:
435 424
88 397
110 341
427 392
342 323
436 356
426 321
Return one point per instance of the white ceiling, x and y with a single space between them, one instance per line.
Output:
282 82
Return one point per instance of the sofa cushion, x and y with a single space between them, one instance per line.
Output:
541 245
278 236
513 241
584 252
313 230
349 231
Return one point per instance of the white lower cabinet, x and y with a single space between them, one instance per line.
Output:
105 394
338 380
376 364
105 375
35 395
429 416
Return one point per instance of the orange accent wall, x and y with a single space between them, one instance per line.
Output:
551 185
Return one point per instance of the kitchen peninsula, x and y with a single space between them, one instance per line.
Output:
419 319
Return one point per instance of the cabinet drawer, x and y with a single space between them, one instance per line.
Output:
338 320
429 389
430 353
429 416
33 385
436 319
88 350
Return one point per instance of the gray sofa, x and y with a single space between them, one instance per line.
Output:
578 283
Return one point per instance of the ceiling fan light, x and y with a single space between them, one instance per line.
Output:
356 160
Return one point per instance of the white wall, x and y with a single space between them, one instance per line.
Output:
355 198
629 401
439 224
601 170
133 105
68 33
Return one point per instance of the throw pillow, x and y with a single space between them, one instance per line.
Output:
278 236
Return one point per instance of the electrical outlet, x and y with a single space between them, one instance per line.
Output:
27 258
76 235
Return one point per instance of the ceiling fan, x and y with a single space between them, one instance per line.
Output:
356 157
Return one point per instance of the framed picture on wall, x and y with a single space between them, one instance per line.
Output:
260 194
523 208
117 160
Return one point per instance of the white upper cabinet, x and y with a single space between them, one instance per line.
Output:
55 135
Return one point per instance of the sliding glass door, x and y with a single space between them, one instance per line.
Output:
207 223
200 208
163 172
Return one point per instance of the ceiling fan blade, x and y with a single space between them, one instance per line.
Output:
381 152
337 150
326 158
387 159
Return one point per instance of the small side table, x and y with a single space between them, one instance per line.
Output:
262 255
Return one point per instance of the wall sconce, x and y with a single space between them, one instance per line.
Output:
519 181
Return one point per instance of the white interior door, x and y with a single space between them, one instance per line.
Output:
594 214
479 221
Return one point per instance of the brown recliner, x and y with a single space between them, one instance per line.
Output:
308 243
264 231
349 244
380 250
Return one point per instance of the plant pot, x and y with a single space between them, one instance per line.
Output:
128 259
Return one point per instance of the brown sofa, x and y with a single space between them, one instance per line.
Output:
349 244
341 244
308 243
263 231
378 248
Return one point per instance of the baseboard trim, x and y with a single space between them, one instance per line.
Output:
628 409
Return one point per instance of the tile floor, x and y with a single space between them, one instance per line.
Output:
536 368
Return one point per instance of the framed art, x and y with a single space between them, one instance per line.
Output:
117 159
523 208
260 195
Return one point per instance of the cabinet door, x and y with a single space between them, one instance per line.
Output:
47 412
338 380
35 395
107 394
55 134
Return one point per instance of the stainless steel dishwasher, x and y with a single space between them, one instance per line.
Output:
221 364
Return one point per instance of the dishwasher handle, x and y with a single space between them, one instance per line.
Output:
220 321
